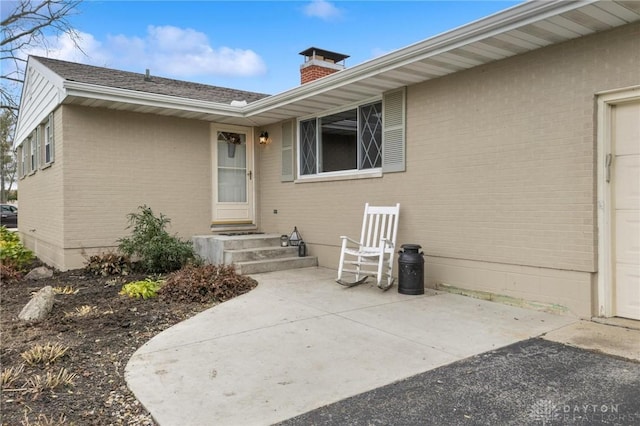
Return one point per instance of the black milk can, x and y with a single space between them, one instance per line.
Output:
411 269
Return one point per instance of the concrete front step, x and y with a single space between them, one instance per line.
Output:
212 247
239 242
251 254
258 253
270 265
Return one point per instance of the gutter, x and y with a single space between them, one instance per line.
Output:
518 16
515 17
501 22
114 94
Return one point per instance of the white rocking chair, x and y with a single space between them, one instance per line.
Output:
373 254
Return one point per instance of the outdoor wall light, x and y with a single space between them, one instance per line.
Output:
264 138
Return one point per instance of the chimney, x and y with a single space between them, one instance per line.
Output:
319 63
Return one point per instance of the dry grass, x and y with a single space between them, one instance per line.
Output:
36 383
44 354
81 311
43 420
65 290
50 381
9 376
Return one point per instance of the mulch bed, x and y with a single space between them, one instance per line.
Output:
101 328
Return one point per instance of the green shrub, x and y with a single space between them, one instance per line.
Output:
205 284
6 235
145 289
157 251
108 264
12 253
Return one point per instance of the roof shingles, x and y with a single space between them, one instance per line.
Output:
134 81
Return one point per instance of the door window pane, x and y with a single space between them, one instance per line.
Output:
232 167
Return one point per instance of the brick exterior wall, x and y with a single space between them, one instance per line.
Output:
110 163
500 186
41 206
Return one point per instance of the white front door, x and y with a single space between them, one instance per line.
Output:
625 214
233 177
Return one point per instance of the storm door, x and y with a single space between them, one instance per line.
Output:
233 180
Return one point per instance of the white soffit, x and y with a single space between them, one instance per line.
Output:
522 28
517 30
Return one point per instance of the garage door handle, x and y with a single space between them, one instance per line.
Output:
608 167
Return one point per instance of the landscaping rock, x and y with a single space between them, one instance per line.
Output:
39 273
39 306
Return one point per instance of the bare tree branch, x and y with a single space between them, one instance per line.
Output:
8 77
27 26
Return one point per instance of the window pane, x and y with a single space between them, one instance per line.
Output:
232 167
230 153
308 158
47 143
232 186
23 153
34 149
38 154
371 136
339 141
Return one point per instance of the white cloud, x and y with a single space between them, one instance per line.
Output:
65 48
173 39
187 52
167 51
322 9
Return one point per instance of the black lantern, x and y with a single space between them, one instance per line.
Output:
294 238
302 249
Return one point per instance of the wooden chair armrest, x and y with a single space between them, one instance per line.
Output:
343 237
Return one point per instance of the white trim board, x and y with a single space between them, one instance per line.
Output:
605 100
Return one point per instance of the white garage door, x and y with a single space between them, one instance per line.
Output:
626 213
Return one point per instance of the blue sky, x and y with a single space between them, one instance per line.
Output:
252 45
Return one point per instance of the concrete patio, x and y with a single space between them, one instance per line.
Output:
300 341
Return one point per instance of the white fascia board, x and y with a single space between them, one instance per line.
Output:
501 22
114 94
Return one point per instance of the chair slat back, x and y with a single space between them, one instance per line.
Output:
379 222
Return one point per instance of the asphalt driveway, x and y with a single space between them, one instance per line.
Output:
533 382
